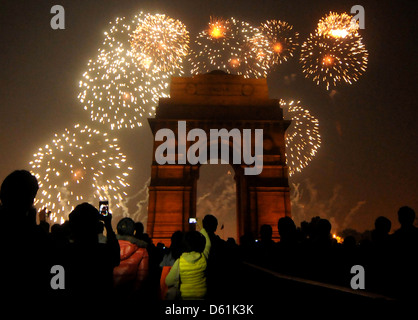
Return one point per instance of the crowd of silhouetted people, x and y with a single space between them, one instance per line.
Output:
311 252
99 262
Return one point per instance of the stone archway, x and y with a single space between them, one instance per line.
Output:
218 101
216 194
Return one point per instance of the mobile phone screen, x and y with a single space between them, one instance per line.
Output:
192 220
104 208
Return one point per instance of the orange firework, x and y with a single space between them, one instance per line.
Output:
233 46
217 28
282 39
337 25
329 60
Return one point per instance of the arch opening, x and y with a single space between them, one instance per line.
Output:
217 195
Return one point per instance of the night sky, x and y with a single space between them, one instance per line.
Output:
367 164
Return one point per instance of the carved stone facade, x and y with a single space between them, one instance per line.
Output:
214 101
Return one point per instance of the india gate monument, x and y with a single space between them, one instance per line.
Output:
217 100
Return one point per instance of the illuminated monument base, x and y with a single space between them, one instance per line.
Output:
215 101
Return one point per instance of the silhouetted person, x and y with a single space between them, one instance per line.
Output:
378 257
24 245
304 231
322 234
17 194
88 263
218 245
266 235
175 250
287 231
322 252
139 230
405 242
349 243
131 274
170 256
60 235
218 256
265 246
380 234
210 223
407 235
287 250
247 246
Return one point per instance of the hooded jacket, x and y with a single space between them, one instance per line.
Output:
133 267
191 267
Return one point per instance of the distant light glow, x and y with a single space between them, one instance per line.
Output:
337 238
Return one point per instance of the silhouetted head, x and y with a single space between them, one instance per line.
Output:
247 240
210 223
266 232
382 225
349 242
84 223
194 241
406 216
139 229
18 190
177 238
323 228
126 227
287 228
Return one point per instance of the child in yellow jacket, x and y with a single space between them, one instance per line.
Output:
189 270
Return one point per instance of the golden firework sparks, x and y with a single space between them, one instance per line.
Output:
232 46
302 137
328 60
282 39
338 25
80 164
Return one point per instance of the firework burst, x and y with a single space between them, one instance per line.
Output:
80 161
337 25
282 39
302 137
218 28
123 84
330 61
162 42
232 46
335 52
